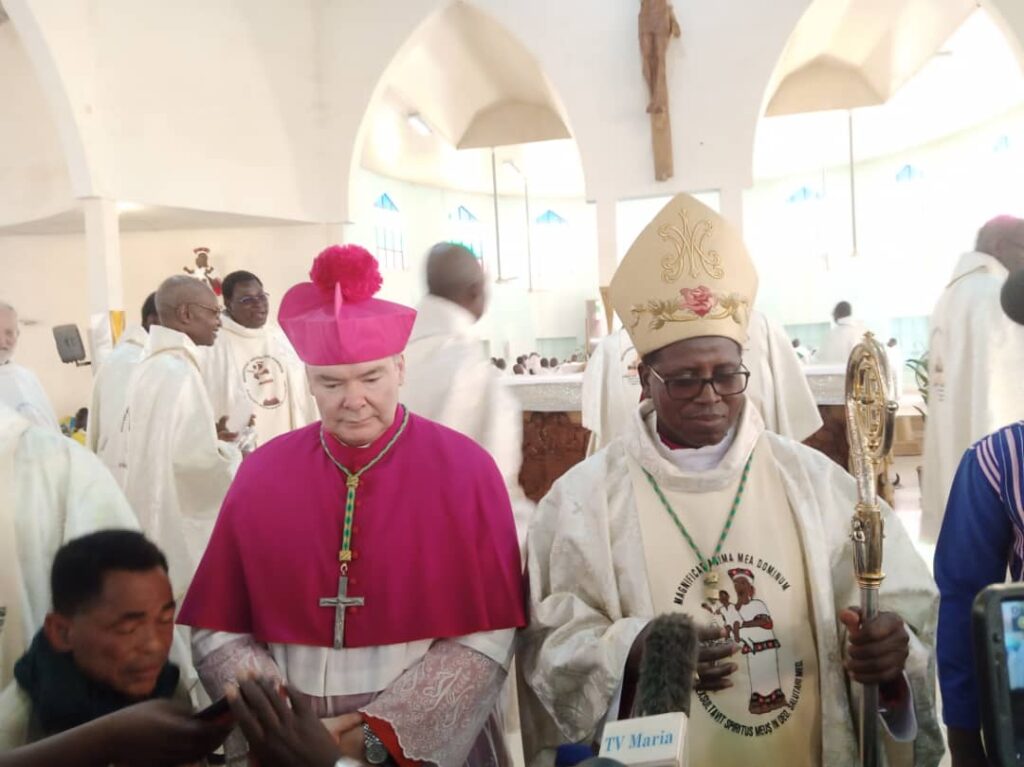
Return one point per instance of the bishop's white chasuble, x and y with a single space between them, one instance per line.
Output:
592 593
772 714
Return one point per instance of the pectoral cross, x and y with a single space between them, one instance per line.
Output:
340 603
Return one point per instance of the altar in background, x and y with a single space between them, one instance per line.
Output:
554 439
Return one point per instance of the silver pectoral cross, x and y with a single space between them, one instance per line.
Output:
340 603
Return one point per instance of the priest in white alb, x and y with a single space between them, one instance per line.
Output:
449 379
110 388
370 559
20 389
611 389
841 338
778 387
51 490
975 362
700 509
252 372
176 466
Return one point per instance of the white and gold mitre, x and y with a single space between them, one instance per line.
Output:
687 275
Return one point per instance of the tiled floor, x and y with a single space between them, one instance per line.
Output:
908 511
908 503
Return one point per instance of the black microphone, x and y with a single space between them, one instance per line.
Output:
1012 296
668 667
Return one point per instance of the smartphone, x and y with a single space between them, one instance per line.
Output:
218 712
998 624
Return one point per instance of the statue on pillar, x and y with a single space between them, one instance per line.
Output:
204 271
658 25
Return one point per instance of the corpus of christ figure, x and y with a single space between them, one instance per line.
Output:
658 26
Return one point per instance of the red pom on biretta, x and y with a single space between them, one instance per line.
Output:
350 266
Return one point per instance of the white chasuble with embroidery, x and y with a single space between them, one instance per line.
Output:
256 372
772 713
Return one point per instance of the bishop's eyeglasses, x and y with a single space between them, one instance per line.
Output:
724 384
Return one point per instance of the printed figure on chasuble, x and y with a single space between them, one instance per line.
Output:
365 557
699 509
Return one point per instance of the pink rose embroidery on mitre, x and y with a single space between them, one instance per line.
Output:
699 300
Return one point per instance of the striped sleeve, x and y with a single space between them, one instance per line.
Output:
974 546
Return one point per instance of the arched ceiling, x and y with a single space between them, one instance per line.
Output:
461 65
974 79
476 87
857 53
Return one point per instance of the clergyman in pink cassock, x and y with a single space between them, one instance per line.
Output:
382 578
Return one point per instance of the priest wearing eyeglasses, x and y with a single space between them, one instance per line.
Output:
175 466
370 560
252 372
698 509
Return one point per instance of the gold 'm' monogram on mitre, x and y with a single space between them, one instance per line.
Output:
690 255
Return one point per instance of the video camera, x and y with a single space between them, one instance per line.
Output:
998 625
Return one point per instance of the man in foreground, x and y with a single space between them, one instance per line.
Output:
105 644
369 560
778 387
51 490
700 509
977 547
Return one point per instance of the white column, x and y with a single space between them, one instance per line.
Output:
730 203
336 233
106 292
607 245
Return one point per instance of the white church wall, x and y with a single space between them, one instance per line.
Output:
44 278
34 180
44 274
563 255
280 256
917 212
255 108
599 80
209 105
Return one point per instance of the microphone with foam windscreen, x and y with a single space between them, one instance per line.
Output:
1012 296
655 737
668 667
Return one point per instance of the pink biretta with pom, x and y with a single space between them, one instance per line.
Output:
335 319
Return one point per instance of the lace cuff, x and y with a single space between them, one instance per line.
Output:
223 666
438 707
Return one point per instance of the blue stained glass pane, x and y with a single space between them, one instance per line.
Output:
384 202
803 194
908 173
550 217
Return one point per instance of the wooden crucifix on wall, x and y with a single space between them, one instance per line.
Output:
658 26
